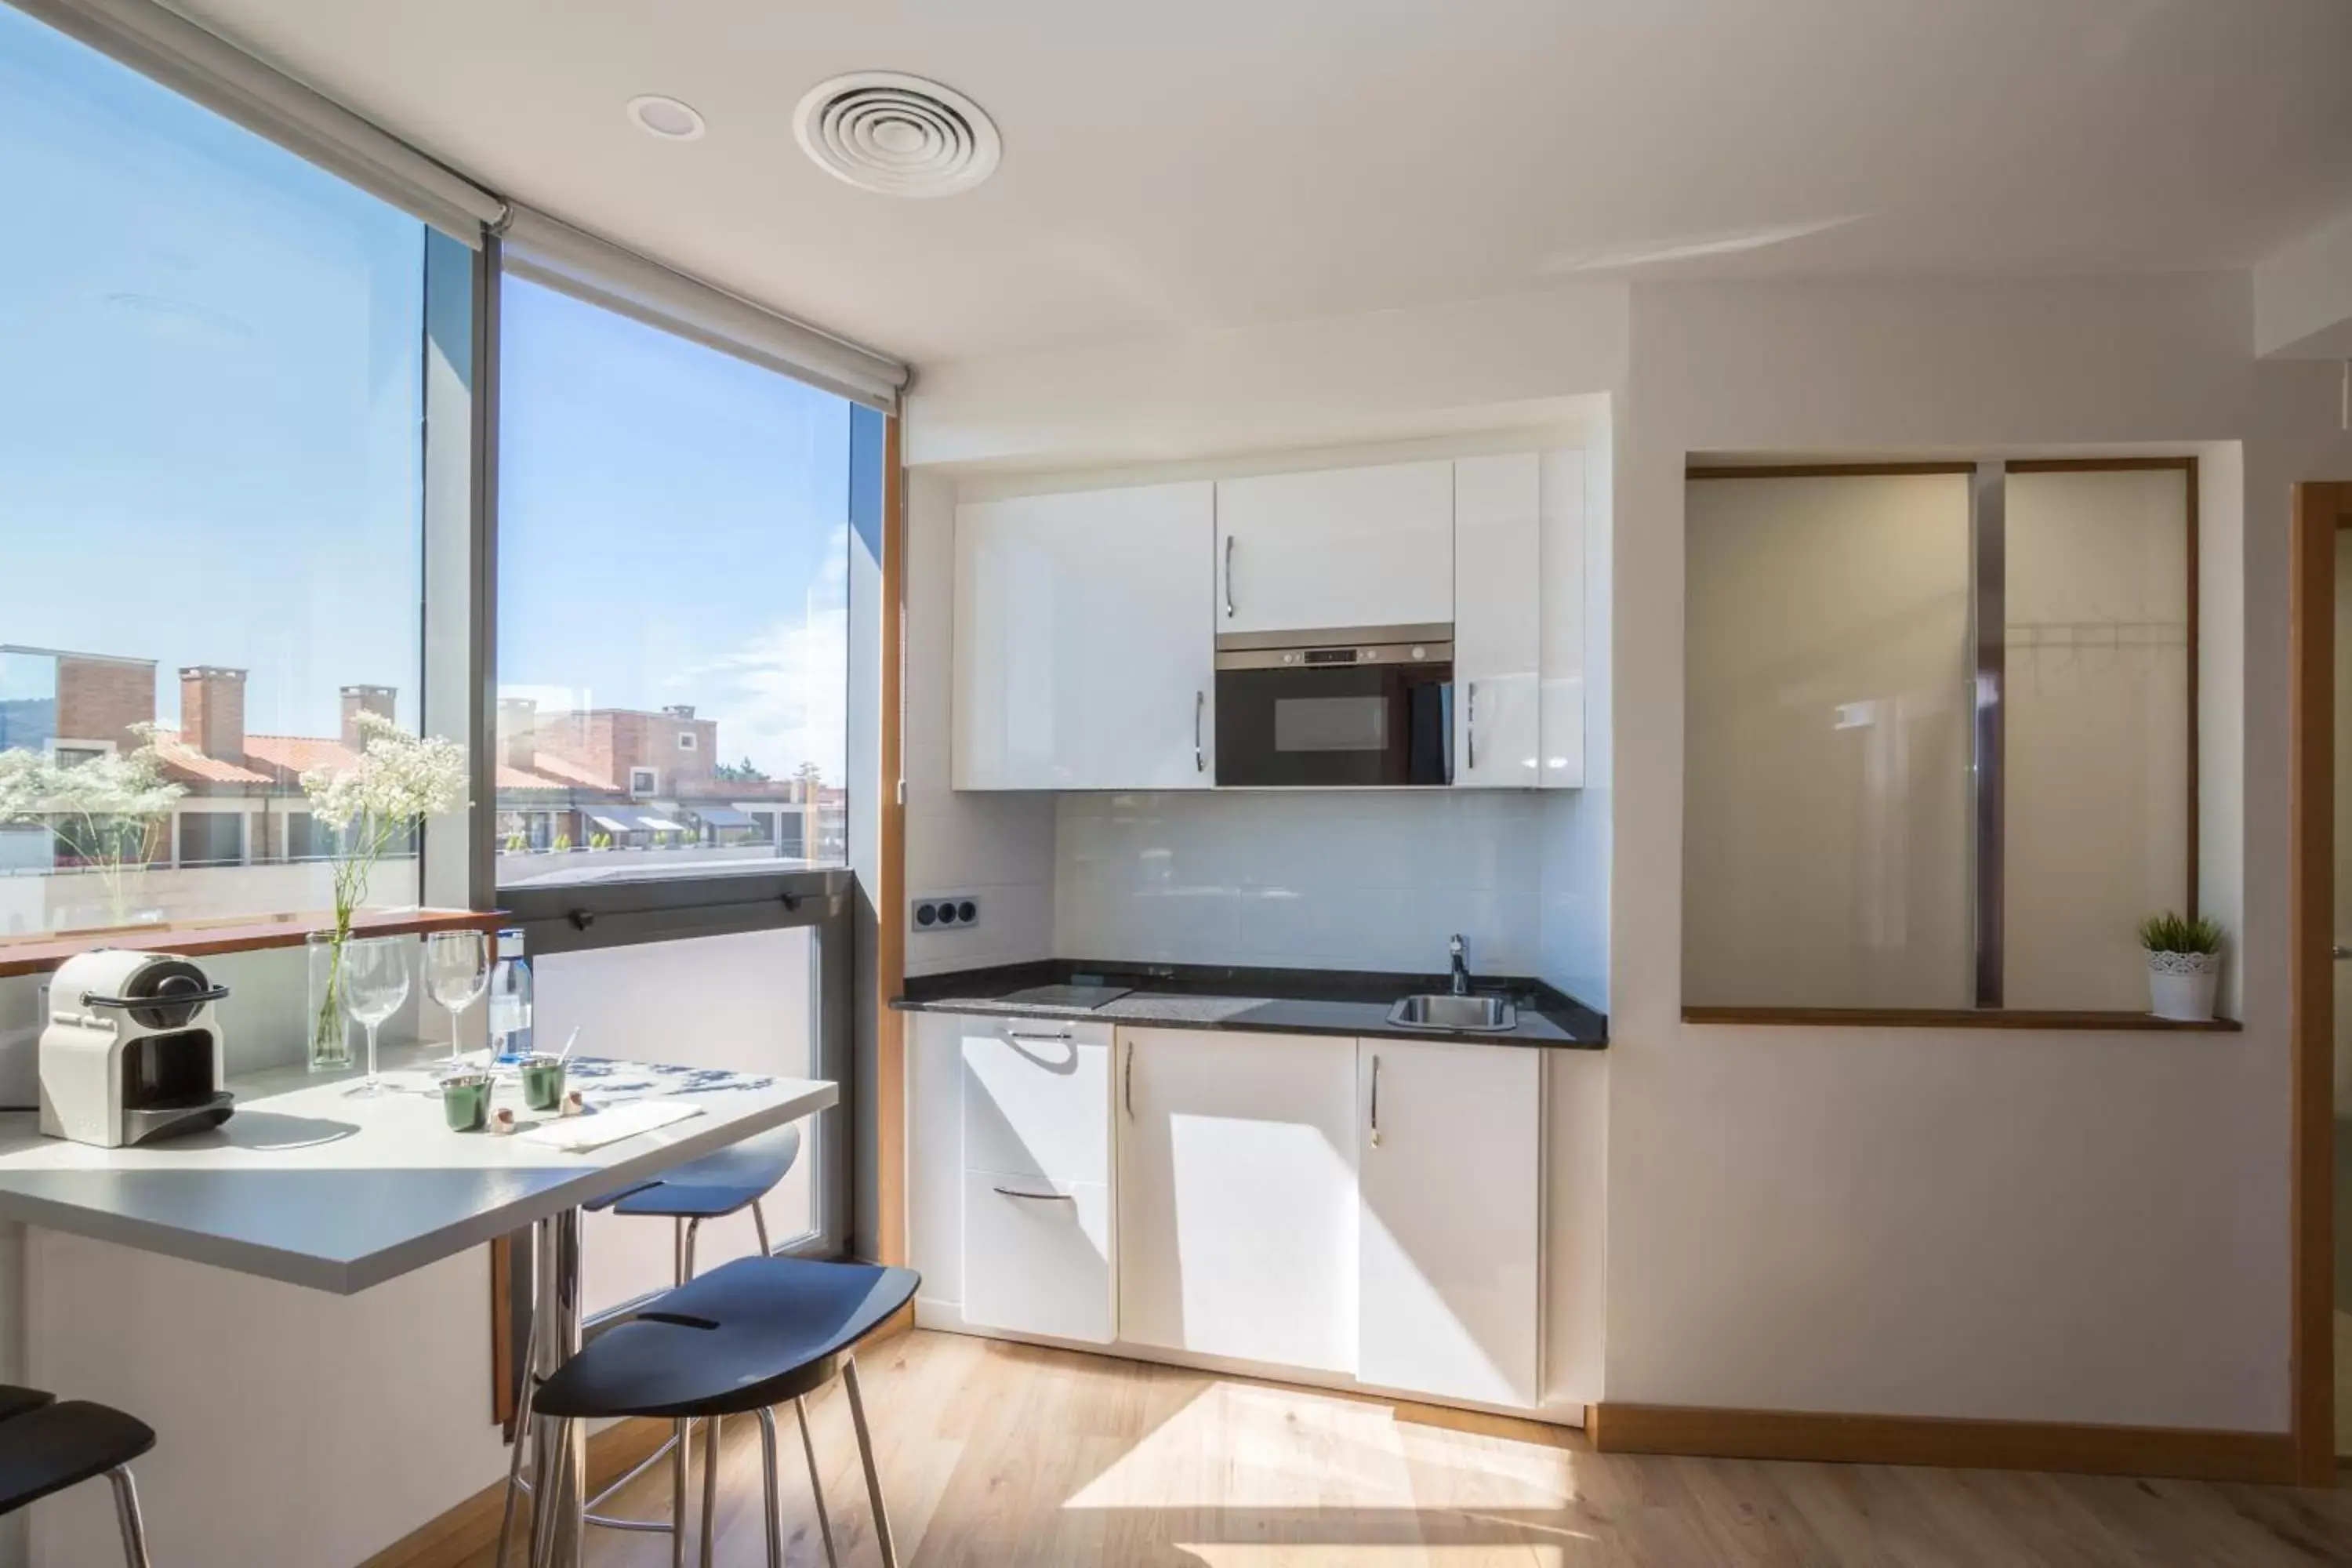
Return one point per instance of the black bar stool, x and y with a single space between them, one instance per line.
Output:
47 1446
717 1185
739 1340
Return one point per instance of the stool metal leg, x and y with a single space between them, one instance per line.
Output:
816 1487
773 1509
521 1436
692 1226
681 1439
759 1221
866 1455
710 1425
126 1514
559 1450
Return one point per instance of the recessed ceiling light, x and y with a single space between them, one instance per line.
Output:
666 118
899 135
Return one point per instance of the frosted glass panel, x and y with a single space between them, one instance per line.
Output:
1826 787
743 1002
2097 797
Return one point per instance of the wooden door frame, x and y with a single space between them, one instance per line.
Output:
891 892
2320 511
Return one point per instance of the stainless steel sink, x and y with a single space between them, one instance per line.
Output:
1480 1014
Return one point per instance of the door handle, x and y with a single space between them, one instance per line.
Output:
1127 1081
2341 954
1376 1101
1037 1197
1229 577
1470 725
1200 758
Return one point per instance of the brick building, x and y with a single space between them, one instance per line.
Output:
605 778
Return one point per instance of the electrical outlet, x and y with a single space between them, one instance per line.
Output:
944 911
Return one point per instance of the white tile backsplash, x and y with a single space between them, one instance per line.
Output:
1319 879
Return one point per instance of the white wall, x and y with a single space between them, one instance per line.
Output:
1320 880
2085 1228
997 847
1576 828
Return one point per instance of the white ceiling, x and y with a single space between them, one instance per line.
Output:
1219 163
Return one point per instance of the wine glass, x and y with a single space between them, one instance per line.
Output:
376 982
457 971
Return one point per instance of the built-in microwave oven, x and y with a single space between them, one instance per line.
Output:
1363 707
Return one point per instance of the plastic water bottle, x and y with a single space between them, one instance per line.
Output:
511 1035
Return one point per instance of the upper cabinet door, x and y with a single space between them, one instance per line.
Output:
1341 548
1452 1246
1085 653
1565 480
1498 629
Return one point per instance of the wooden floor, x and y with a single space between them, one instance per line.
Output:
996 1454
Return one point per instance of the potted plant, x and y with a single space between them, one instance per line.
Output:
2184 963
375 804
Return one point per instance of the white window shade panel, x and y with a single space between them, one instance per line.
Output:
209 70
550 251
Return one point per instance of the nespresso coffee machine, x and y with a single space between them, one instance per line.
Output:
129 1052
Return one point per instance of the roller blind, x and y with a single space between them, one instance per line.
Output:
209 70
549 251
228 81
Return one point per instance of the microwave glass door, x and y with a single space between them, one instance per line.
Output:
1366 725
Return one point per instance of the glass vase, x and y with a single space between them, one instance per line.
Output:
329 1029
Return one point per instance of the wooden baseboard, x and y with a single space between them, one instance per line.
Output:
473 1524
2170 1451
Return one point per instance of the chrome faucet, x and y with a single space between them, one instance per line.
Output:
1461 970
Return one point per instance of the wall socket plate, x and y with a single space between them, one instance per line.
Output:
943 911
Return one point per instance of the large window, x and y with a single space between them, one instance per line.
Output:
210 497
1938 734
672 604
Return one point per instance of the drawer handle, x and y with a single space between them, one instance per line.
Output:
1376 1101
1020 1039
1037 1197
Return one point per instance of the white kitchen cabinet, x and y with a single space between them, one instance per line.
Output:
1498 622
1085 641
1037 1242
1336 548
1566 479
1237 1195
1451 1183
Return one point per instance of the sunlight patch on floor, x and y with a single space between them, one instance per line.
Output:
1356 1554
1239 1446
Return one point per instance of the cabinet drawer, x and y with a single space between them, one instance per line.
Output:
1037 1100
1036 1256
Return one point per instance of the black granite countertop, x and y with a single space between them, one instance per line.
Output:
1279 1001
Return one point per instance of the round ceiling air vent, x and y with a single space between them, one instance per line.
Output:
899 135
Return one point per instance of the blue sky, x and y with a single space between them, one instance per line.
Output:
209 443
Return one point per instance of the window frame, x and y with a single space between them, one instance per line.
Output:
1988 772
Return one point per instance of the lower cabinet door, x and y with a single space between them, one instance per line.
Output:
1237 1194
1037 1255
1451 1178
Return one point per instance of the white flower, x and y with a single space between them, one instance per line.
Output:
398 778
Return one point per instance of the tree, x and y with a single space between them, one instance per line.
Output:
743 771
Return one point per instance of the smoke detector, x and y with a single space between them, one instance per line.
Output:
898 135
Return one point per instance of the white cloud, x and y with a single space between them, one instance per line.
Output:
782 698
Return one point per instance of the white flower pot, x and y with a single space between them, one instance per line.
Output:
2180 984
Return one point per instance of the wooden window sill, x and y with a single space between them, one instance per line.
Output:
203 939
1953 1018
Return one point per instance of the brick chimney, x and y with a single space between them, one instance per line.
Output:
359 700
212 711
519 733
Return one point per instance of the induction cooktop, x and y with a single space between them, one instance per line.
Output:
1080 998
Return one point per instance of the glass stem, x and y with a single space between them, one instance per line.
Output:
454 1016
371 1073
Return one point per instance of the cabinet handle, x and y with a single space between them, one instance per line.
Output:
1376 1101
1127 1081
1470 724
1200 758
1229 577
1020 1039
1037 1197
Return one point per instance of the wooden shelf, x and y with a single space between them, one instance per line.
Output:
203 939
1953 1018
